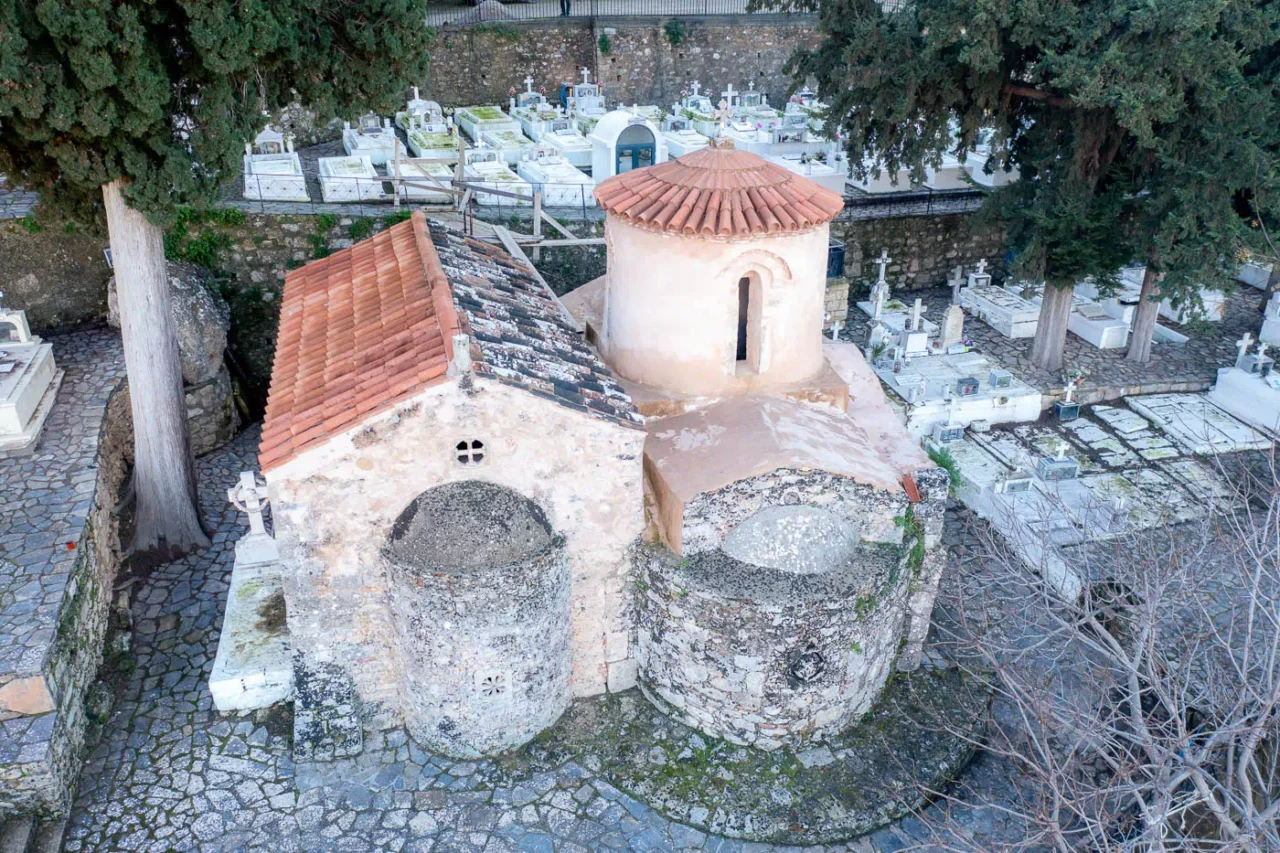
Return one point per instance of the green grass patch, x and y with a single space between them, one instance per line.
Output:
943 459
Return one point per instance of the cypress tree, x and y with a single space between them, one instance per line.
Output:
132 108
1135 125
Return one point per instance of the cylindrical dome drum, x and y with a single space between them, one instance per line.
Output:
785 634
479 591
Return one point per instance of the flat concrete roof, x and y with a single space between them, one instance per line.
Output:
742 437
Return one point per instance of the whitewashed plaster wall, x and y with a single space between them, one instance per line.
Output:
334 506
671 308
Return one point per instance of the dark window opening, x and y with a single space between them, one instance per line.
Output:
470 452
744 308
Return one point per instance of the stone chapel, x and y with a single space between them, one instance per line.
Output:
489 501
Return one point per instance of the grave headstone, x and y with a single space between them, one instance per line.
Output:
952 327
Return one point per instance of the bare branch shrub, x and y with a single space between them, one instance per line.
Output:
1143 714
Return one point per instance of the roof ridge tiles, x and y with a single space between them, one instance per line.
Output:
718 192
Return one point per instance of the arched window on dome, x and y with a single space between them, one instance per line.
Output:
748 328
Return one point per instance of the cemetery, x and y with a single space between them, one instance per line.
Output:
656 527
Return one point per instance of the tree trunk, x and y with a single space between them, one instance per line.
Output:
166 513
1273 285
1051 331
1144 319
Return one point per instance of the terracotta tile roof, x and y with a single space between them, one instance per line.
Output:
520 336
719 192
359 330
371 325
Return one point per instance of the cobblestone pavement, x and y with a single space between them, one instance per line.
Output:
1192 366
172 774
45 500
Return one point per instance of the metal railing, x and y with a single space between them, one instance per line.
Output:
568 202
461 15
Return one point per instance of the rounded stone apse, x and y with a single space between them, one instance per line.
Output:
479 592
784 635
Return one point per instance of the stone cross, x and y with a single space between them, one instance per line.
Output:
751 85
1 300
957 283
1262 349
883 261
586 75
835 330
1070 391
877 302
982 266
1243 345
1062 450
695 86
916 311
528 85
249 496
729 94
415 93
723 114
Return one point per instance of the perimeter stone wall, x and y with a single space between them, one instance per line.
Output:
479 64
924 249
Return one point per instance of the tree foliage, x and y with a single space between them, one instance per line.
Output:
1136 125
164 93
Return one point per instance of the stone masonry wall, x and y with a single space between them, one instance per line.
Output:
58 276
762 656
334 507
924 249
478 65
485 651
41 778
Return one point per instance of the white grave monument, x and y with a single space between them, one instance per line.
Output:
372 137
349 179
1250 390
953 316
272 170
29 381
1007 403
1271 322
1088 319
253 667
621 142
1007 313
561 184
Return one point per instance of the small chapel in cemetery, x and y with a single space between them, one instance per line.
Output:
488 502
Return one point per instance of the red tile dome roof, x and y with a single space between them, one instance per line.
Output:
719 192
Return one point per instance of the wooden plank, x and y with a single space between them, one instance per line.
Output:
513 248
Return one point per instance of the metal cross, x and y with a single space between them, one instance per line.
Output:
835 330
249 496
1069 391
1243 344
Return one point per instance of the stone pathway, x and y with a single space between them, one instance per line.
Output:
45 501
172 774
1192 366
